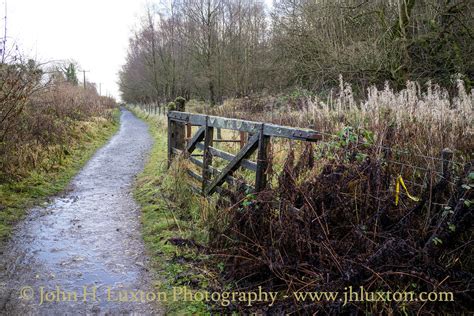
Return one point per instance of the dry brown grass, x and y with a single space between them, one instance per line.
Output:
420 120
328 219
50 123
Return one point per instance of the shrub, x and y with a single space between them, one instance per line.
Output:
42 116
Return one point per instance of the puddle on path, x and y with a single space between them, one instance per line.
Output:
88 238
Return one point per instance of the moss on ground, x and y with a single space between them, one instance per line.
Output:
165 219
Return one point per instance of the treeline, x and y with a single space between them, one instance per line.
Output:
215 49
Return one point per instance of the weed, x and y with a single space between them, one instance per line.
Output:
173 221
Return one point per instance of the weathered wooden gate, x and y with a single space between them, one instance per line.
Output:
181 142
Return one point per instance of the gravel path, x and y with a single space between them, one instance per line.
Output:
87 240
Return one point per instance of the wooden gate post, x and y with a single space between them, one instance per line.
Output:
180 139
262 161
207 158
171 138
176 138
180 127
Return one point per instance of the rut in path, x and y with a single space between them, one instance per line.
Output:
89 238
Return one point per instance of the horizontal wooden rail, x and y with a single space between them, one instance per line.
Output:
248 149
194 175
247 164
197 162
229 179
182 142
226 140
245 126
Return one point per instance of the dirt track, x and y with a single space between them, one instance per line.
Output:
89 238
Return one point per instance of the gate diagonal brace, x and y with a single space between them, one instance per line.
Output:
199 136
246 151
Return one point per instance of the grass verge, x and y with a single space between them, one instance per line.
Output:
17 197
170 224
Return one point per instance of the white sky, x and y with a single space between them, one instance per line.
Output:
94 33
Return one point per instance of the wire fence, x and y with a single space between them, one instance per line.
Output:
418 172
153 108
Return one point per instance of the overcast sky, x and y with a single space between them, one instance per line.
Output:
92 32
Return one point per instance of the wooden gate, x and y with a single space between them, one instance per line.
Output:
254 136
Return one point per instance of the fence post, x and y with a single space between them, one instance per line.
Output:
262 161
171 138
447 157
207 157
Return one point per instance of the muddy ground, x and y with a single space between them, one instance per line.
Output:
86 240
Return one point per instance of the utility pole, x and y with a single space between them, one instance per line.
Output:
100 88
4 48
84 74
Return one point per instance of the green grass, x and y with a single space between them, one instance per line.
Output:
17 197
164 218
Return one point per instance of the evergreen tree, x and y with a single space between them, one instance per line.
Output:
71 74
